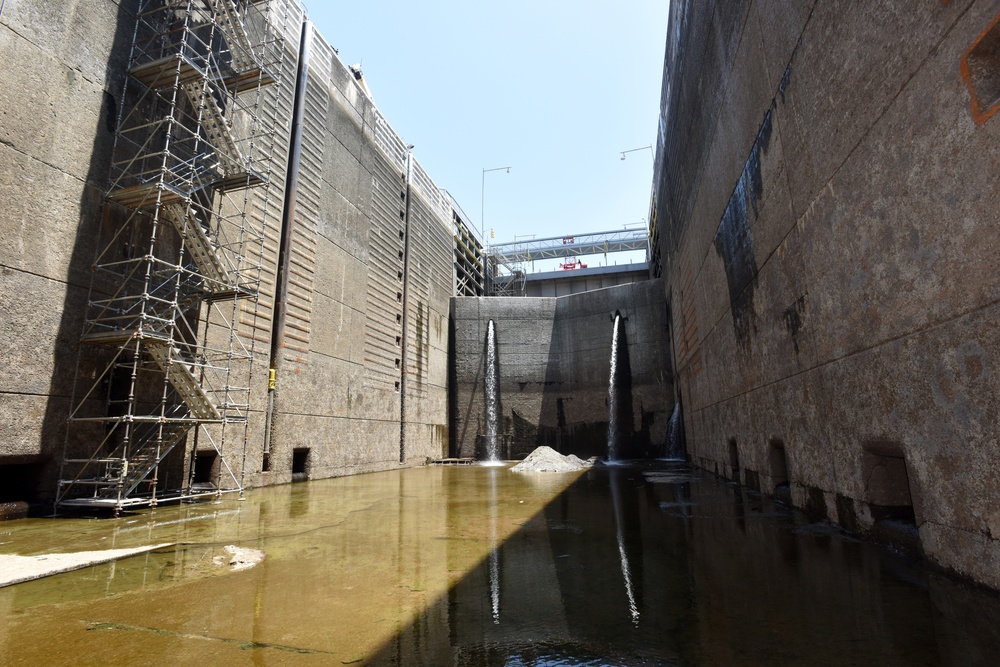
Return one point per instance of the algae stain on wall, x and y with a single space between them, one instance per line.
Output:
734 242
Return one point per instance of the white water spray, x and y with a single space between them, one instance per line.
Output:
492 394
675 448
613 395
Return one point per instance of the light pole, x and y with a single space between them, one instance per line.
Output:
482 202
652 155
404 299
641 148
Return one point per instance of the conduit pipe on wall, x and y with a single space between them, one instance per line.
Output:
404 337
287 222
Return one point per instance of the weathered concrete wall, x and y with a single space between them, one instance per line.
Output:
342 364
564 283
554 362
827 206
64 66
340 376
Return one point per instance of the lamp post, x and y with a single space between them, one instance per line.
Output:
482 202
404 294
641 148
652 155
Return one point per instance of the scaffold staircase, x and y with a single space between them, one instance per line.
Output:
230 22
137 467
216 129
183 380
205 254
191 191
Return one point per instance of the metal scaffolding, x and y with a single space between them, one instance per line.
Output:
470 275
504 278
554 247
166 356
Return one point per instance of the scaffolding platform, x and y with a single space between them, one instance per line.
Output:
142 195
139 502
234 292
175 69
116 337
147 194
248 80
166 72
247 178
200 125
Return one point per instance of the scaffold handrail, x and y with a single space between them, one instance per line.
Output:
169 320
570 245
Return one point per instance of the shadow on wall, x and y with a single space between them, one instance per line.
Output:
581 385
465 407
584 414
94 224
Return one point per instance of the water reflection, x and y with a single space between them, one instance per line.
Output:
718 575
494 557
480 566
615 477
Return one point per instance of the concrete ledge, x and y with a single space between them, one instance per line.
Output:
18 569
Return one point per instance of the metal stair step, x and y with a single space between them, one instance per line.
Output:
184 381
205 254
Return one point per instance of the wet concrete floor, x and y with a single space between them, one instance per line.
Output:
646 565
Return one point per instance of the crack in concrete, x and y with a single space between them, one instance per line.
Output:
39 275
241 643
853 353
11 145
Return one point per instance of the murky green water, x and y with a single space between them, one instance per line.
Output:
471 566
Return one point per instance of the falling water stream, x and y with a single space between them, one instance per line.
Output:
494 557
675 443
613 395
492 395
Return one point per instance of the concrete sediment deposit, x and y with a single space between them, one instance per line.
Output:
546 459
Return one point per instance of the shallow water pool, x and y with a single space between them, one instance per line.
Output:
657 564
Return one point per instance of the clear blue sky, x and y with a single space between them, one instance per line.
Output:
553 88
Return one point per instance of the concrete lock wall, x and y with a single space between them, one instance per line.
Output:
340 375
554 362
64 67
826 196
342 368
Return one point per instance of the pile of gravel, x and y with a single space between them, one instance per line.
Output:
546 459
241 558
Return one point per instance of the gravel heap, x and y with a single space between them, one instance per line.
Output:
240 558
546 459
